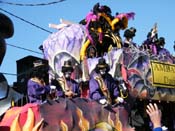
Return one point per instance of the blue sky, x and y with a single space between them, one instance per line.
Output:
147 13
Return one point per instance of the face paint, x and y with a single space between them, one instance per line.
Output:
67 74
102 71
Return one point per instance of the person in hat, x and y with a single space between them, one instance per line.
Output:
66 86
129 34
160 44
38 85
161 50
149 45
102 86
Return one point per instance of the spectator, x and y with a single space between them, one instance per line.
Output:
155 116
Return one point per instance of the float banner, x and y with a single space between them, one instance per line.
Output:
163 74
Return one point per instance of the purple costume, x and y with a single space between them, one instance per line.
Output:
96 92
149 44
129 44
36 92
73 86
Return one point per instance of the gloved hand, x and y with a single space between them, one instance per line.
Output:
119 100
103 101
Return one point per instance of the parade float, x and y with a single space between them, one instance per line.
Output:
147 76
143 70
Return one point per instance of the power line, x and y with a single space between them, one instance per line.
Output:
24 49
26 21
40 4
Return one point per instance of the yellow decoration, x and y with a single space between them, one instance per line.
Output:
163 74
30 121
63 126
114 21
15 125
83 49
83 122
29 124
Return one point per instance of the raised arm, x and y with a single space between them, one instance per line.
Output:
155 116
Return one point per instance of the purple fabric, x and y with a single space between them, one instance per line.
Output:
163 51
127 43
74 87
63 45
95 91
36 92
153 48
150 45
129 15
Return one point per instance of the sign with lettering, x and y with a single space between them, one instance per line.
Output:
163 74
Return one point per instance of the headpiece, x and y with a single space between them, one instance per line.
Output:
161 41
67 66
102 64
130 33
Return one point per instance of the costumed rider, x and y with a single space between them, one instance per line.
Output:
160 46
38 85
129 34
65 85
102 87
149 44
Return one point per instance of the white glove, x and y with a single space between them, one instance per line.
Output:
124 86
52 87
164 128
103 101
120 99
